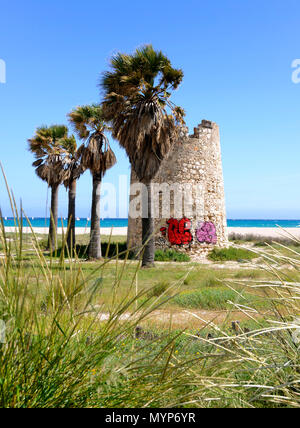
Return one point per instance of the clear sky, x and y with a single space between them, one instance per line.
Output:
236 56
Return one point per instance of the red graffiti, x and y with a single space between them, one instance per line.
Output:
178 231
206 232
163 231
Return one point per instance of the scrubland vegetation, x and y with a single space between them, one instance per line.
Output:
109 334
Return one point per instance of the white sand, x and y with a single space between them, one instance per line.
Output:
271 232
79 230
266 232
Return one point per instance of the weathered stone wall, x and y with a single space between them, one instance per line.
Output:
195 164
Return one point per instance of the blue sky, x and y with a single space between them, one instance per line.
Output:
236 56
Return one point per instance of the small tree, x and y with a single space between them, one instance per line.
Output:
46 147
97 156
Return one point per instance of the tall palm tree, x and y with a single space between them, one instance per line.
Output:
143 119
73 169
46 147
97 156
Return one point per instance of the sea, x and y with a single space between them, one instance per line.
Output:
123 222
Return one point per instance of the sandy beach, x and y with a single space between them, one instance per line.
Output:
121 231
264 232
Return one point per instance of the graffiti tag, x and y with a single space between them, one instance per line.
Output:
206 232
179 232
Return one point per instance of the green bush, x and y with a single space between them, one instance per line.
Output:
249 273
111 250
211 280
231 253
260 244
171 256
209 298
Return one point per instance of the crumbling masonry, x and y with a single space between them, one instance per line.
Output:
194 167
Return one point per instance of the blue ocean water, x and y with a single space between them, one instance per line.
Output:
123 222
263 223
80 222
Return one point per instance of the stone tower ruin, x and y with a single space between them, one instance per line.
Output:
188 196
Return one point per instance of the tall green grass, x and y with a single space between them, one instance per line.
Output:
231 254
212 298
60 351
64 349
265 361
112 249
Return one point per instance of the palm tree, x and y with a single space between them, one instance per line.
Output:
143 119
46 147
73 169
97 156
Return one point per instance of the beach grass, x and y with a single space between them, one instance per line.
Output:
109 334
61 352
218 298
231 254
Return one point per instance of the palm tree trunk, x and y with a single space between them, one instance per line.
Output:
148 232
53 218
71 215
95 241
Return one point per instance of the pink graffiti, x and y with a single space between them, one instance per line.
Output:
206 232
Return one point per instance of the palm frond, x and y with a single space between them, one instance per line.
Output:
137 105
54 151
87 119
96 155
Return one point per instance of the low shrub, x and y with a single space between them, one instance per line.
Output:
260 244
210 298
111 250
170 255
231 254
211 280
249 273
204 278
